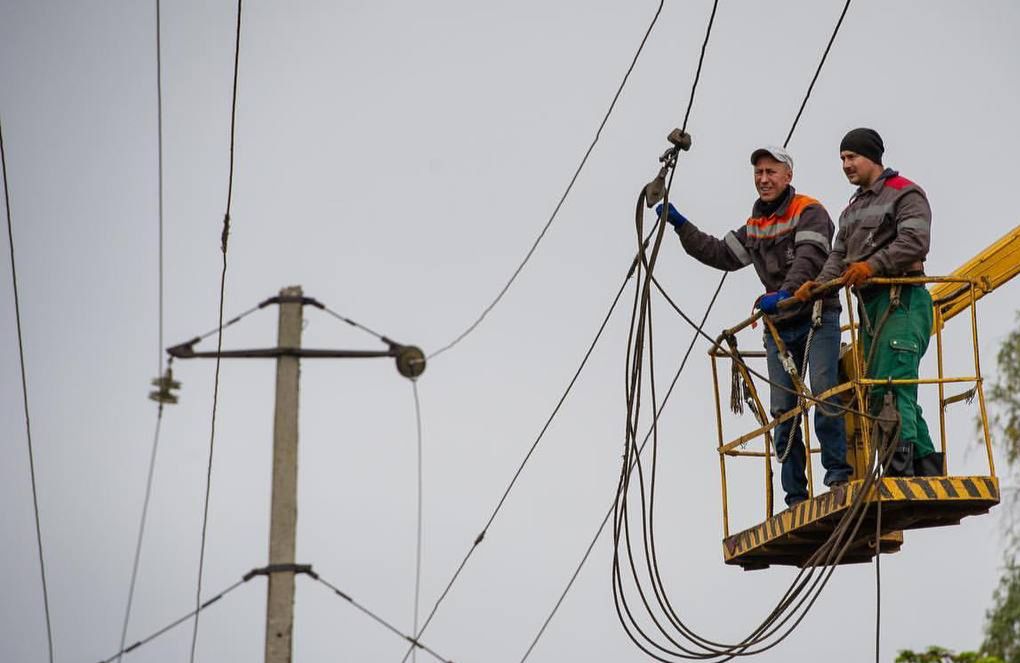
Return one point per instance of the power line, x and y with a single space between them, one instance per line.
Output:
828 555
701 61
24 395
605 321
566 192
159 343
818 71
415 642
527 457
141 527
602 526
699 328
417 549
177 622
355 324
224 236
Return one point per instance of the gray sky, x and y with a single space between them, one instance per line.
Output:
397 160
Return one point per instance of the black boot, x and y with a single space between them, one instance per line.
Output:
902 462
931 465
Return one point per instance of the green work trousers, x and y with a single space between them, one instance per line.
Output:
902 341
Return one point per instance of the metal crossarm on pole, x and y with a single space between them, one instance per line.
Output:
281 569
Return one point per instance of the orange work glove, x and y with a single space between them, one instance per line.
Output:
857 273
803 293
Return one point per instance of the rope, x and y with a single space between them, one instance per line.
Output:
24 398
159 345
224 236
416 643
566 192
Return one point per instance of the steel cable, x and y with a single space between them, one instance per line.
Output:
609 512
811 86
159 343
141 529
24 398
417 545
177 622
527 457
621 522
566 192
415 642
224 237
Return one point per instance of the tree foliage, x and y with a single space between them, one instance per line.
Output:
940 655
1003 398
1002 621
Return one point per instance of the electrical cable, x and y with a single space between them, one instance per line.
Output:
527 457
818 71
224 236
415 642
417 549
829 554
177 622
609 512
481 536
638 355
223 325
566 192
24 397
354 324
141 529
159 342
701 61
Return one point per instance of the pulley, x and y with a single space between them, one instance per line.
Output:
656 189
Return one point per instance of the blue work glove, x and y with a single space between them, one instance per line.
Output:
769 302
675 218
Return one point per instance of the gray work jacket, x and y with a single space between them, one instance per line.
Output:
787 247
887 224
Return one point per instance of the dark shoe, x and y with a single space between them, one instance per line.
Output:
902 462
931 465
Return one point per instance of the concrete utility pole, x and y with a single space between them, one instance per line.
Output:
288 352
283 512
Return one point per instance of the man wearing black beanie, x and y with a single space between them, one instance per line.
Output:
885 232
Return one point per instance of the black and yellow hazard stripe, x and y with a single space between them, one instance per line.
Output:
981 491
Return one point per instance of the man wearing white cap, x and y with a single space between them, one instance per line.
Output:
787 238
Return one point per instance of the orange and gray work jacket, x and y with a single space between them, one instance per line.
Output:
787 247
888 225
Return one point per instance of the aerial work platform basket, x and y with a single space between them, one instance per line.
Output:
792 535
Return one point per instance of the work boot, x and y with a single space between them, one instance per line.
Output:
902 462
929 466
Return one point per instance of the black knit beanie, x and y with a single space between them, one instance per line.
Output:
865 142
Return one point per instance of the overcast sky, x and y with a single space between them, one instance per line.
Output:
397 159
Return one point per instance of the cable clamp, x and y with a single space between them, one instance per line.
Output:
282 568
816 314
788 364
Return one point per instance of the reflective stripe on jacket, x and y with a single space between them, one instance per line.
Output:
887 224
787 247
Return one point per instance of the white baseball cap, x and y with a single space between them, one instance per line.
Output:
777 153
